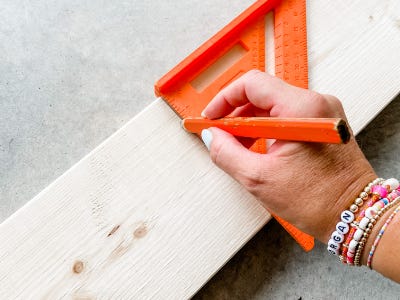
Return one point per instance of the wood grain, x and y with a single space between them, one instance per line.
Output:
147 201
147 215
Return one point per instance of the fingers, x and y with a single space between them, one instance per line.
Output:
256 87
270 96
235 159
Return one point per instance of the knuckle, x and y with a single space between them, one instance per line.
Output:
254 179
252 183
317 99
325 105
335 103
255 74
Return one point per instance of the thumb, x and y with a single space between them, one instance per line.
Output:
231 156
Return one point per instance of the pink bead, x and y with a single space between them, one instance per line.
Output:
370 202
380 190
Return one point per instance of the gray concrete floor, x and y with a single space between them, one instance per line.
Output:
72 72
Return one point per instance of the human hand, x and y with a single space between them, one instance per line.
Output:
307 184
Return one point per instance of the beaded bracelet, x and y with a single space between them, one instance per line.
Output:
372 223
347 216
356 226
366 224
378 238
359 228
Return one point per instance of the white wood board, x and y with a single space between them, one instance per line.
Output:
157 184
180 218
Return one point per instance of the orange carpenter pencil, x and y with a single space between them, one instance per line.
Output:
321 130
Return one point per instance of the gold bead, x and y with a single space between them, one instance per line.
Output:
363 195
367 189
368 230
359 202
353 208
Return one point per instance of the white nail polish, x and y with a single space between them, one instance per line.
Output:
206 136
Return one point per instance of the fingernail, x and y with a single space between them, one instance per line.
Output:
206 136
203 114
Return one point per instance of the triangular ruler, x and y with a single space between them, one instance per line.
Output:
236 49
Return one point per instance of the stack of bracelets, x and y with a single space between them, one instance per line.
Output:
355 226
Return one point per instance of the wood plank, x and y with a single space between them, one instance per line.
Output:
354 54
148 200
147 215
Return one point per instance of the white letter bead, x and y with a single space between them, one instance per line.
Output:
363 223
342 227
337 237
392 182
353 245
350 254
347 216
358 234
333 251
333 245
370 212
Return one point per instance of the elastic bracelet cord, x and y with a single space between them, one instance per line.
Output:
347 217
378 238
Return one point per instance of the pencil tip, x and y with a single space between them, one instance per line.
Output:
343 131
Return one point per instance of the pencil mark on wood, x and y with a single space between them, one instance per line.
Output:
115 228
78 267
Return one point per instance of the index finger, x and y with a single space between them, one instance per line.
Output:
255 87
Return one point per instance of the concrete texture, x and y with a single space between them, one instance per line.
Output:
73 72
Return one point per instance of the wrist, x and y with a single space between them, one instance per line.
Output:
386 252
356 183
373 235
355 232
